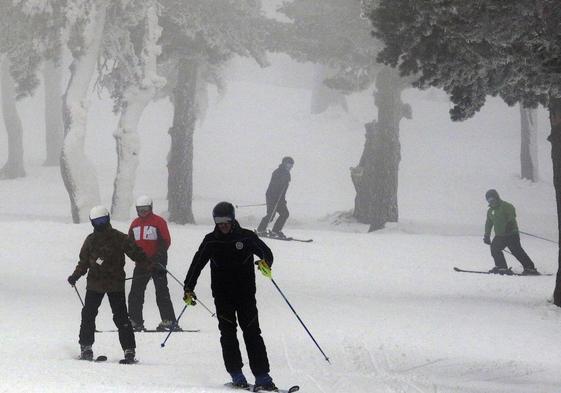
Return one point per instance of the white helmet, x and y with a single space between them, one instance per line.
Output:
143 200
98 211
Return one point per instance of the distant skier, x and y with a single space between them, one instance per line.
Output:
276 199
102 257
502 216
150 232
231 249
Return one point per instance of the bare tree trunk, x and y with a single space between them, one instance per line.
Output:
13 168
77 172
376 177
529 144
322 96
555 139
135 100
180 164
54 128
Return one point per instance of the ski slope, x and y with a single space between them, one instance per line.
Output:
386 307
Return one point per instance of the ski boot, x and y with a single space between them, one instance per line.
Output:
166 326
278 234
530 272
137 326
129 357
264 382
238 380
501 271
86 352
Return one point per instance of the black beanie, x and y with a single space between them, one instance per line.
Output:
492 194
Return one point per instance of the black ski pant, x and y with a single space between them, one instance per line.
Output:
120 317
283 212
513 243
246 310
138 288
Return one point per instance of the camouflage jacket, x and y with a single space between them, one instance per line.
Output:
103 257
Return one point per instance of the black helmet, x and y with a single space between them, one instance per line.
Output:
223 212
288 160
492 194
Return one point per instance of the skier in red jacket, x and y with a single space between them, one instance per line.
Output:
151 233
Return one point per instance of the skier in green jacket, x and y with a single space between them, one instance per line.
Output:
502 217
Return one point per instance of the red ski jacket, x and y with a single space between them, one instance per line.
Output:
151 234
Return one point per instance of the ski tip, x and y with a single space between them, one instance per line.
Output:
295 388
101 358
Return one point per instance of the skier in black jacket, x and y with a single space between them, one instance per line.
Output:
276 198
230 249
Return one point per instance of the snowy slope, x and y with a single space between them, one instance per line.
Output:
386 307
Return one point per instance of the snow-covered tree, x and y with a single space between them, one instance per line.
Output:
198 39
472 49
19 47
131 48
333 33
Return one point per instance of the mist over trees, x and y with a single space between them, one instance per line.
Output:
475 49
332 32
139 51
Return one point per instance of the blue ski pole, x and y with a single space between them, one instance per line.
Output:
174 325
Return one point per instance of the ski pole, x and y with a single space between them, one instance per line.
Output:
78 293
299 319
259 204
179 282
539 237
173 326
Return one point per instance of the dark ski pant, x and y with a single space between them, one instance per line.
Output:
120 317
246 310
513 243
138 288
282 210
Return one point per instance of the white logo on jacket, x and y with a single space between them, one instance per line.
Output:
150 233
239 245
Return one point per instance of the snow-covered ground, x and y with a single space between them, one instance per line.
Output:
386 307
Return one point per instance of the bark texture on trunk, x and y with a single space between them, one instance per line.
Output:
14 167
555 139
376 177
54 127
180 161
529 144
77 172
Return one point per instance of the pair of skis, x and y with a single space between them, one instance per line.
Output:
271 235
153 331
103 358
251 388
508 273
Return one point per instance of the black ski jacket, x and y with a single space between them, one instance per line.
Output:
232 268
278 186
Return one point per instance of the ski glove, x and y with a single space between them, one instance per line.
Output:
72 280
487 239
189 297
264 268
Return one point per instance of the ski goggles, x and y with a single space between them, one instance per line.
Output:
100 221
222 220
143 209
